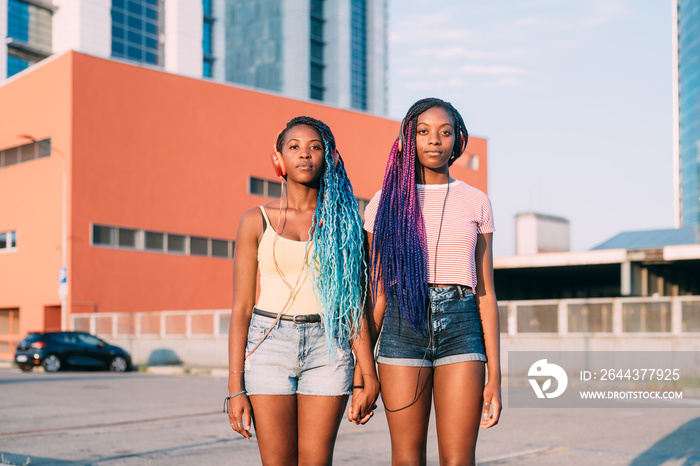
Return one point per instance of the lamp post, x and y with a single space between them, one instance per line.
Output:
63 272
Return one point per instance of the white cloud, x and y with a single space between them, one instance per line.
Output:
605 11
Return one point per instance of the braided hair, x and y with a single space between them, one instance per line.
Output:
338 242
400 247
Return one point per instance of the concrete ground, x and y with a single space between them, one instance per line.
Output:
98 418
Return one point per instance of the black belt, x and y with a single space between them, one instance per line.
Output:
464 289
299 318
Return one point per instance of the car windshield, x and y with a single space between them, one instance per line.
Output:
32 337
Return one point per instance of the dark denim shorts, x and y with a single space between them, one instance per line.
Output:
455 333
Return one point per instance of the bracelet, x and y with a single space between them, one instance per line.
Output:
236 372
358 387
226 400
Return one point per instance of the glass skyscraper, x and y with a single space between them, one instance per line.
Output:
28 34
330 51
686 38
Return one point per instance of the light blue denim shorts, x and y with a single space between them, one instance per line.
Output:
294 359
454 333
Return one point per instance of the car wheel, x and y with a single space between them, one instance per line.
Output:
52 363
118 364
26 367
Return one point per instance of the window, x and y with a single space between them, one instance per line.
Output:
25 153
28 34
8 240
362 205
127 238
103 236
219 248
177 243
316 46
199 246
207 38
152 241
266 188
358 54
136 28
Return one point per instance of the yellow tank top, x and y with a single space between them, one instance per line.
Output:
289 254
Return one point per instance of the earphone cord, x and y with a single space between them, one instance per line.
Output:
429 309
284 279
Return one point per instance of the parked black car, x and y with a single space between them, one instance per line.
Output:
56 350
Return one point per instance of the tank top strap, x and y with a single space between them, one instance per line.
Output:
266 219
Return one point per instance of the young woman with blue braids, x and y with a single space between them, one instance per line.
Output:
290 354
435 305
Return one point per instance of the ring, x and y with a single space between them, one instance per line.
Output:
355 413
239 424
487 404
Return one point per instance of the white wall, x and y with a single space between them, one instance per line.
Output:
377 56
295 44
219 39
336 53
183 37
3 35
84 26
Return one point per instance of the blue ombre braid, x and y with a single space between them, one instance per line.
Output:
400 246
338 244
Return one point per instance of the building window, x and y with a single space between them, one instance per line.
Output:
8 241
25 153
177 243
362 205
143 240
155 241
28 33
199 246
207 38
219 248
358 54
136 29
316 46
266 188
126 237
103 236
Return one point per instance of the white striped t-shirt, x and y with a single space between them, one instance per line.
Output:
467 213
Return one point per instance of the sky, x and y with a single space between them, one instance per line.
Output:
574 98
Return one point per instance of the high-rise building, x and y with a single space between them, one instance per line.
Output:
686 99
334 52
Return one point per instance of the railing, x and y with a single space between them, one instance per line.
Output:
677 315
163 324
614 316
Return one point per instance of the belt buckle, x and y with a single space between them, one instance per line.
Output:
300 321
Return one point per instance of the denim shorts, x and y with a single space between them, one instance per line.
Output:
455 333
294 358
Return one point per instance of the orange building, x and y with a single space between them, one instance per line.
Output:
151 172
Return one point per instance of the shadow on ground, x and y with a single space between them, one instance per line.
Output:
681 444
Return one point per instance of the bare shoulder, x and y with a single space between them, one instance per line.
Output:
251 223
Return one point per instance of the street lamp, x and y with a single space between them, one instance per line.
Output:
63 272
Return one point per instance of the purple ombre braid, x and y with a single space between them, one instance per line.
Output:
399 246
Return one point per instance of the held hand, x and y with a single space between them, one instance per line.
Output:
364 401
240 415
492 405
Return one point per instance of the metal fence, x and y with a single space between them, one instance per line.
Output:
614 316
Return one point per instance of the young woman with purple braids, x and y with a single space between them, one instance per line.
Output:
290 357
435 305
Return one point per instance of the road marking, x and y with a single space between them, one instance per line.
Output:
106 424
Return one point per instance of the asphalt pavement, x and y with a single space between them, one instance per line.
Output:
99 418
